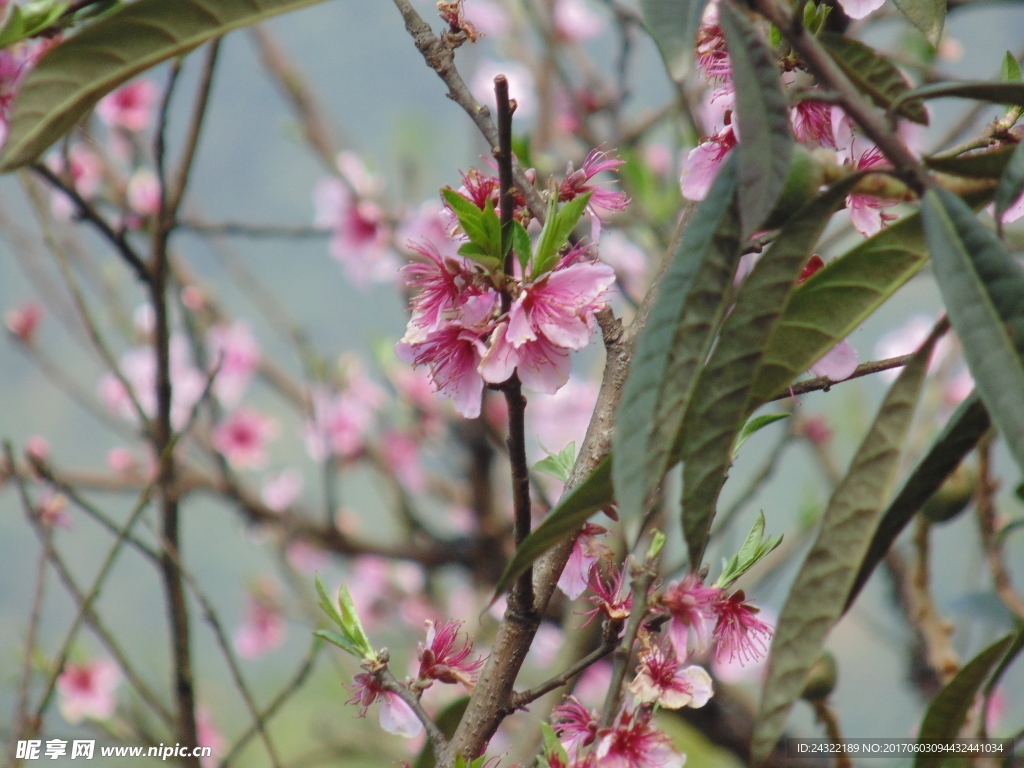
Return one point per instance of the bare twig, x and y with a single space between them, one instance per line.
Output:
985 507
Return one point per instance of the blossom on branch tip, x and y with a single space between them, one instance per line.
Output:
663 680
396 716
634 742
444 656
738 631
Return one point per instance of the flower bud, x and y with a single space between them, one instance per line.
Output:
953 495
821 680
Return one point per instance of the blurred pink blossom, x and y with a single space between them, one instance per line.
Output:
342 421
282 490
243 437
235 347
23 320
263 628
129 107
520 85
207 735
838 363
87 690
144 192
576 21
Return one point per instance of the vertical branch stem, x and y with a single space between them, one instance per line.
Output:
522 596
166 479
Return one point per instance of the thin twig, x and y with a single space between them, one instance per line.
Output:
256 231
521 699
90 214
824 383
26 723
986 513
389 682
290 689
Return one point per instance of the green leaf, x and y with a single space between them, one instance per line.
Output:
673 25
815 601
558 465
477 254
983 288
996 93
1010 70
326 604
342 641
521 244
830 304
552 745
1011 183
565 520
492 227
14 27
963 431
762 111
673 344
928 16
946 714
352 625
872 73
722 394
1008 659
989 164
557 229
754 425
754 549
474 223
73 76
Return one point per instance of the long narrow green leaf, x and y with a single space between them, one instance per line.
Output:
762 111
721 400
1011 183
983 288
673 25
590 496
675 341
928 16
816 599
979 90
948 710
74 75
990 164
836 299
963 431
872 73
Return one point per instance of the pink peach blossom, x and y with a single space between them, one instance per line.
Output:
129 107
243 437
87 690
23 320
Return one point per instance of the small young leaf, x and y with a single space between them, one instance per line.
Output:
471 219
339 640
492 226
1010 70
556 231
756 424
327 604
565 520
521 245
14 28
353 626
755 548
552 746
477 254
558 465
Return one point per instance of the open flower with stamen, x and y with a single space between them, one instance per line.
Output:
703 163
866 211
633 742
579 182
396 716
575 725
453 355
445 655
738 631
663 680
691 606
612 598
586 551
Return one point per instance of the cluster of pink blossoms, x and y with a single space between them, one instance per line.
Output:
815 124
473 325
